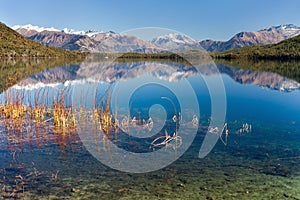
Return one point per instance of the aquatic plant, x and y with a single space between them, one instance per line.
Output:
167 140
195 121
16 116
224 141
246 128
215 130
64 117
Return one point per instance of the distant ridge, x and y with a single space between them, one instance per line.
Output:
99 41
284 50
13 44
271 35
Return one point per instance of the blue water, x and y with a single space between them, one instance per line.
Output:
251 164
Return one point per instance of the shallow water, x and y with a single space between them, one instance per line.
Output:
40 162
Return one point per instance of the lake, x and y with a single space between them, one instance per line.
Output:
106 129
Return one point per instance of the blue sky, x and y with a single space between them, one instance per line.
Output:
200 19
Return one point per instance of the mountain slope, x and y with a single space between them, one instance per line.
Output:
13 44
114 42
64 40
287 49
270 35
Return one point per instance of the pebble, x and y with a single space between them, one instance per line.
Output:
180 185
75 190
121 190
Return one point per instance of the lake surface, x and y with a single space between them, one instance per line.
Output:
150 130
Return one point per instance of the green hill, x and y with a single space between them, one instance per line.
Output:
285 50
13 44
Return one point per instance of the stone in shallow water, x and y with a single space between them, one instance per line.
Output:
75 190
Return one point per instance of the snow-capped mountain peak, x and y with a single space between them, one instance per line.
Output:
90 33
30 27
72 31
287 30
286 27
176 42
174 37
34 28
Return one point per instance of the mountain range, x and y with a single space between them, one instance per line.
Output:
98 41
270 35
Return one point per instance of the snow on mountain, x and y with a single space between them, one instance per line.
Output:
90 33
176 42
175 38
30 27
72 31
34 28
287 30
